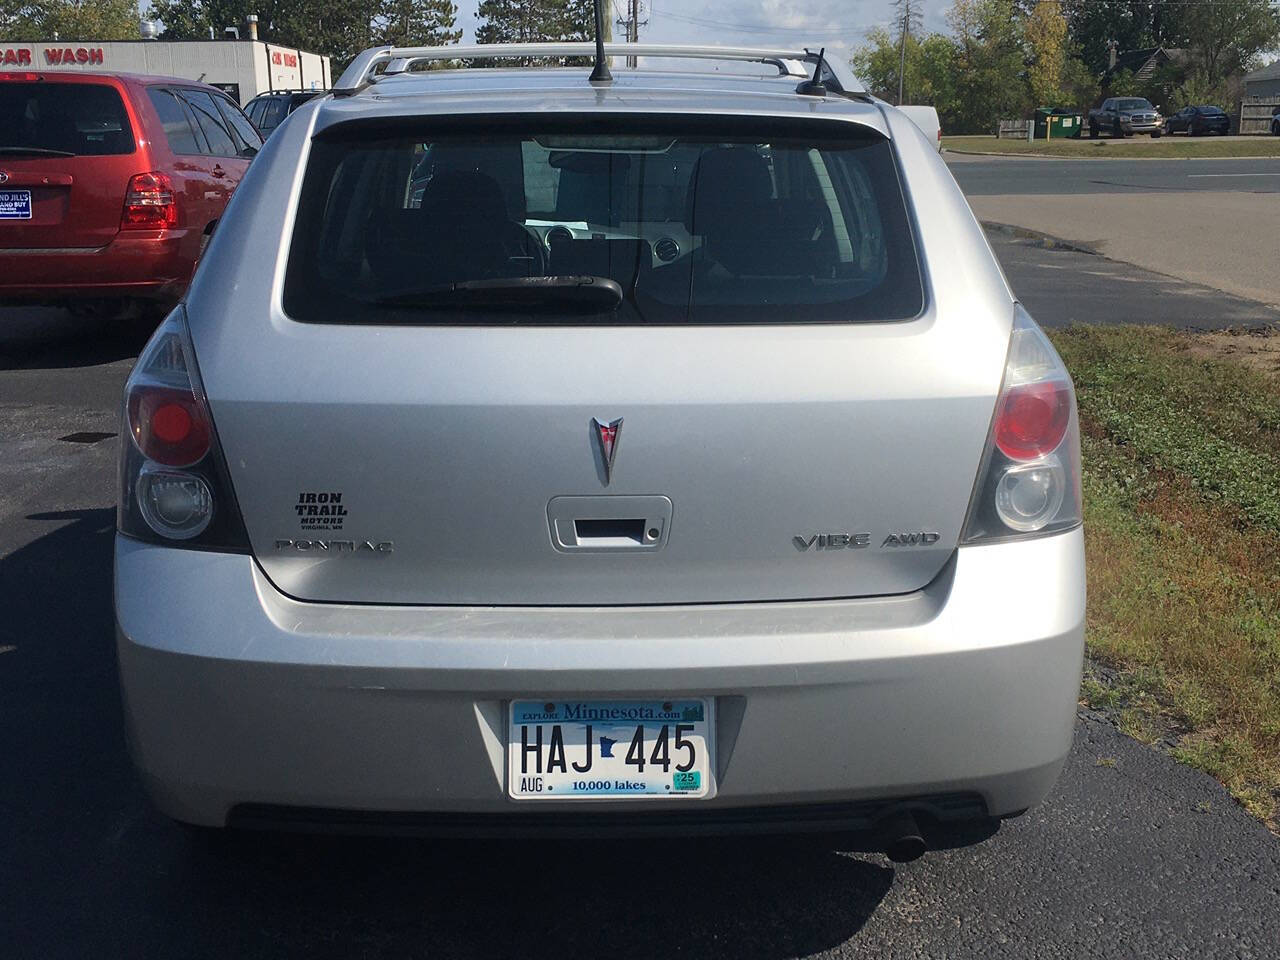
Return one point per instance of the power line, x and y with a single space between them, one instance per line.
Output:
633 23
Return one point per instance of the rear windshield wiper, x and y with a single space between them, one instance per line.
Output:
513 293
36 152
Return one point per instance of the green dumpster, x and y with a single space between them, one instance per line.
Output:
1057 122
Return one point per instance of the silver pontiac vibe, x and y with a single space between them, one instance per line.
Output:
664 453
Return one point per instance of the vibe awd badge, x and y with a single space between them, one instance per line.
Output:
607 434
860 541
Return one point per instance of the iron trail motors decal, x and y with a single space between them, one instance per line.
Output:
320 510
607 435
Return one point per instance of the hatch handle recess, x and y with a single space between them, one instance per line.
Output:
609 524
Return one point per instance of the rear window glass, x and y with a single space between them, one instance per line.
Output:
1210 111
82 119
272 113
677 223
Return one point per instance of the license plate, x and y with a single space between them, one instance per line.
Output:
15 204
610 749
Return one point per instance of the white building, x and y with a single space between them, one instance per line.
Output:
243 68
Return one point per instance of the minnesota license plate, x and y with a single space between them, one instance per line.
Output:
610 749
15 204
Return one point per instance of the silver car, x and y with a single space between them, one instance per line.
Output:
659 454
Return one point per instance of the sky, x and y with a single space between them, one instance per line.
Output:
753 23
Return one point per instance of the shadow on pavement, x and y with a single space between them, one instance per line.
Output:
48 338
89 869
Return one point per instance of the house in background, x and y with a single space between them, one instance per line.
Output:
1260 106
1143 64
1151 72
1264 82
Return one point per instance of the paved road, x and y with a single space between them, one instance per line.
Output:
1211 222
1060 286
1132 855
995 176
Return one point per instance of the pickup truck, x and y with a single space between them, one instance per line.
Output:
926 118
1124 116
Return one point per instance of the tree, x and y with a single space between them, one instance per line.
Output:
193 19
70 20
1195 89
517 21
535 21
990 81
1046 35
417 22
929 73
1080 86
1132 24
1227 36
340 28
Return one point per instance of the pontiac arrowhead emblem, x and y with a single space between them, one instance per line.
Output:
607 434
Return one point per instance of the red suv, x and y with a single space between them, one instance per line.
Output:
110 184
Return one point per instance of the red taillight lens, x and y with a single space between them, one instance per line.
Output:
149 203
1033 418
174 485
168 425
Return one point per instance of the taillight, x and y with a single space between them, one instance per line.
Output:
1029 481
149 203
168 425
174 486
1032 418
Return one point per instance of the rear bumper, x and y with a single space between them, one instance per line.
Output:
151 264
240 699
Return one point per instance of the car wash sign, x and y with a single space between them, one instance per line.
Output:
50 56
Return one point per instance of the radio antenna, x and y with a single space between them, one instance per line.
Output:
814 87
600 72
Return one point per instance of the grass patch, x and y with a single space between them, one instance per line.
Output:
1182 511
1165 147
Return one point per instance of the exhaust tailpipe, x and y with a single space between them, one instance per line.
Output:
902 839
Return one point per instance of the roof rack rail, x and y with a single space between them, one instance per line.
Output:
836 75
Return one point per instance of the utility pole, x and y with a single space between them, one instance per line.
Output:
902 55
632 23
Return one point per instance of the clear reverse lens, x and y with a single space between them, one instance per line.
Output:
1029 495
176 505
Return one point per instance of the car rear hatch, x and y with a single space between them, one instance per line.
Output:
67 153
748 399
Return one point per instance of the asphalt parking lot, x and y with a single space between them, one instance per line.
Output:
1131 856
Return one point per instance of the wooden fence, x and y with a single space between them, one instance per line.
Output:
1255 114
1014 129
